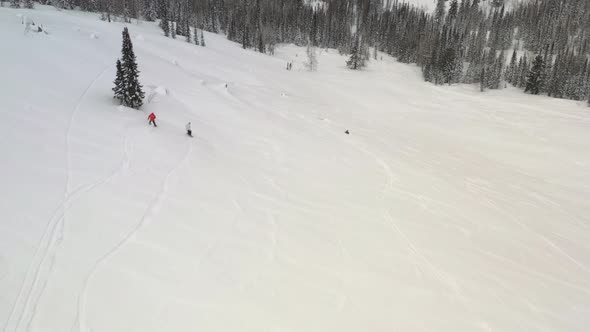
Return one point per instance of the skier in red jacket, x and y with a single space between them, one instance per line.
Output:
152 118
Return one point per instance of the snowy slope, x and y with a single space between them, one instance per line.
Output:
428 5
444 210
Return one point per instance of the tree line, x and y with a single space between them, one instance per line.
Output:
539 46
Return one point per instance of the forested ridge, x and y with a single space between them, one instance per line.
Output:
539 46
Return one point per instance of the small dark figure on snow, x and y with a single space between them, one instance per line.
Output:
152 119
347 132
189 131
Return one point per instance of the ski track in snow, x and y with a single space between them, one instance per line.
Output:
41 266
528 271
437 272
390 180
151 211
539 235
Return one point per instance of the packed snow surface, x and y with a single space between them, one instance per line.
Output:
445 209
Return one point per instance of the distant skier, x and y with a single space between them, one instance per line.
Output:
347 132
189 131
152 118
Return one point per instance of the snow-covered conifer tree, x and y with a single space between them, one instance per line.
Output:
482 79
511 70
118 89
165 25
524 69
133 94
188 31
453 10
439 13
534 80
126 14
356 60
149 10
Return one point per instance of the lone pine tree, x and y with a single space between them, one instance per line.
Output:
132 90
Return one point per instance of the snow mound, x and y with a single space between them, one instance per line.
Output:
155 92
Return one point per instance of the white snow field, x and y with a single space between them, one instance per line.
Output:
445 209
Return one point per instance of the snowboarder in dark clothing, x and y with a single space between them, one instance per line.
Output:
189 131
347 132
152 119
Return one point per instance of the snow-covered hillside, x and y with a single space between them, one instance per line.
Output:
445 209
425 4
